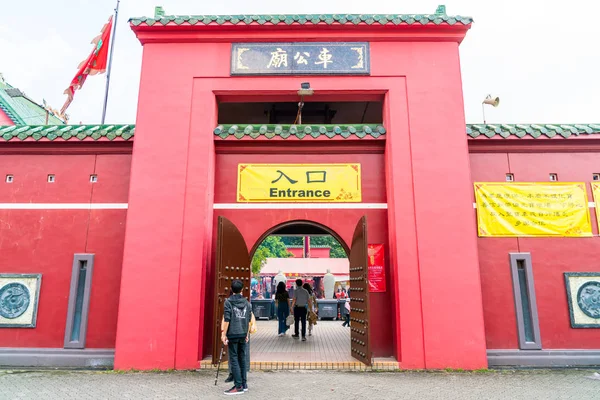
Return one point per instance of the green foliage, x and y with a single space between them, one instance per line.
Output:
292 240
337 251
275 247
271 247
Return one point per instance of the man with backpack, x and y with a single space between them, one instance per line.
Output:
237 315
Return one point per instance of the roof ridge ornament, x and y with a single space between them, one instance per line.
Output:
441 10
159 12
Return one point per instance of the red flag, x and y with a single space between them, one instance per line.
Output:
94 64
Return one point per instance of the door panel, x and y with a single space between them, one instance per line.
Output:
233 262
359 295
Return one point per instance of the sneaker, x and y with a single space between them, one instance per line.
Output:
309 333
303 339
229 378
295 336
234 391
245 387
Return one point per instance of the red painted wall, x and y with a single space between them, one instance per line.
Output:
4 120
319 253
44 241
430 279
551 257
315 252
298 253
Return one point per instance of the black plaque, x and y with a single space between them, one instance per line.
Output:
333 58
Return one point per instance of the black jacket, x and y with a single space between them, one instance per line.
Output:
237 312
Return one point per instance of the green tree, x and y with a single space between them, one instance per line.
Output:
292 240
337 251
271 247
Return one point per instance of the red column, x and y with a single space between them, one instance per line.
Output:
404 262
453 329
433 249
197 227
168 221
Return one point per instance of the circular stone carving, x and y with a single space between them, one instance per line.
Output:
588 299
14 300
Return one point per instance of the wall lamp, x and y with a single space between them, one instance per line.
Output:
305 90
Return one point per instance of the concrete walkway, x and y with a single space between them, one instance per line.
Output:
328 348
504 385
330 342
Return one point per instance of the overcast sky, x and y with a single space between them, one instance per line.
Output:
542 60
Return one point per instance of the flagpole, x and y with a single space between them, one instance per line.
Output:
112 47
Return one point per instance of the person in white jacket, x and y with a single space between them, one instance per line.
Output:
347 314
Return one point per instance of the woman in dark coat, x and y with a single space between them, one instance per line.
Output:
282 299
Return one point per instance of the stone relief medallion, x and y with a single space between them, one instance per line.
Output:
583 295
19 294
14 300
588 299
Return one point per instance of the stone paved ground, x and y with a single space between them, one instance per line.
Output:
530 385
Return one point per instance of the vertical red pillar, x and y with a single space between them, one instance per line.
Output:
168 221
306 246
404 261
197 226
433 248
453 329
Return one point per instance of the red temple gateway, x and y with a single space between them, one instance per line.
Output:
134 238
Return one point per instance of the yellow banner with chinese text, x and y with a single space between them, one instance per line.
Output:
532 209
299 183
596 192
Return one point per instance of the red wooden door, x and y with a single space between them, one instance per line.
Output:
233 262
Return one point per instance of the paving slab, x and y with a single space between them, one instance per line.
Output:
527 384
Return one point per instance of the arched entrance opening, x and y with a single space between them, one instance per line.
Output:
316 255
283 254
301 228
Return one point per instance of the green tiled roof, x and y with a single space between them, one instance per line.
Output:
126 132
66 132
533 130
439 18
299 131
21 109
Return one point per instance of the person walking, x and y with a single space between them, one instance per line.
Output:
235 333
312 308
282 299
299 309
347 313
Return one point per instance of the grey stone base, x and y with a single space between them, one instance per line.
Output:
543 358
61 358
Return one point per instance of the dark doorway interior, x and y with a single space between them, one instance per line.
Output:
313 113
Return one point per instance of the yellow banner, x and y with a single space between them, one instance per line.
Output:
596 192
298 183
532 209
